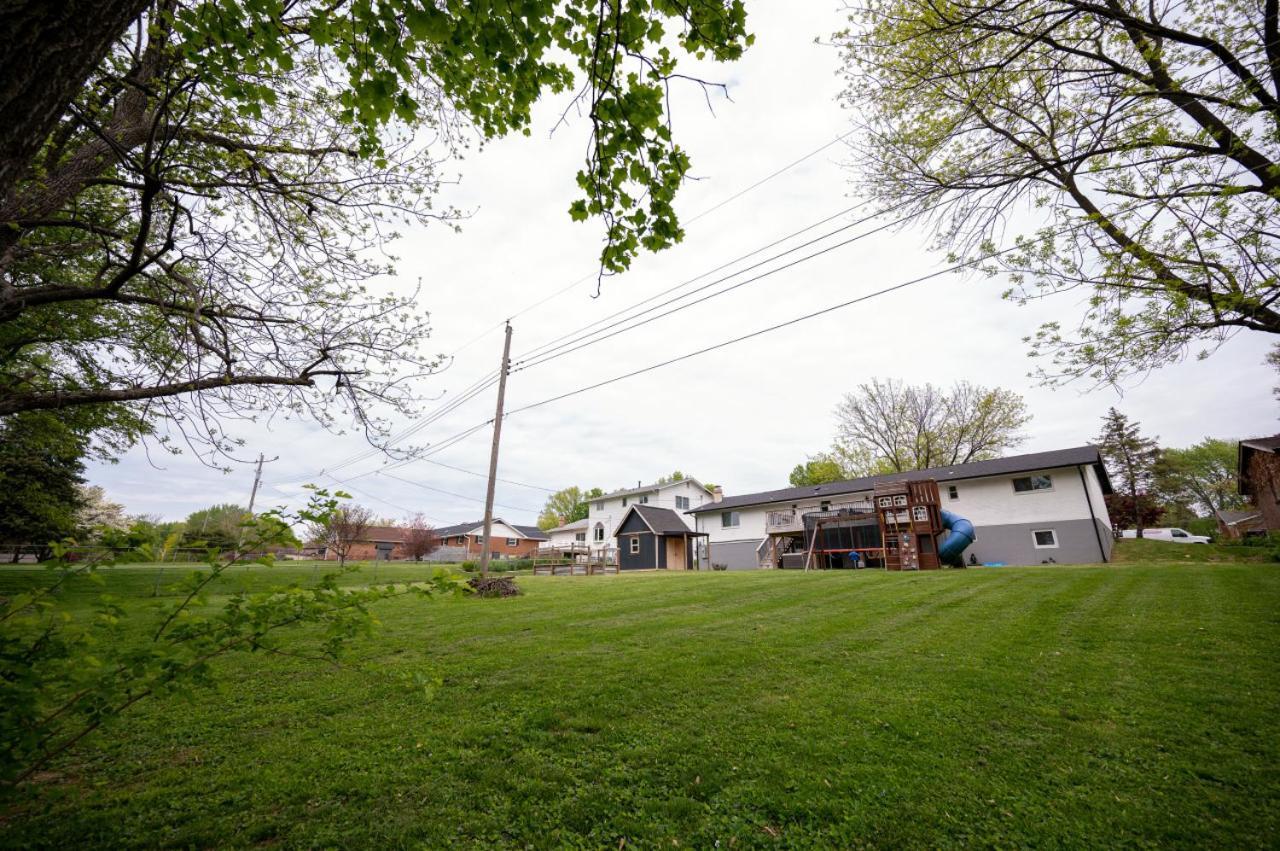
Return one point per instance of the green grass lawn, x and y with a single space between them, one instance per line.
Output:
1133 704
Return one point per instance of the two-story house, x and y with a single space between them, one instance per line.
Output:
605 513
1027 509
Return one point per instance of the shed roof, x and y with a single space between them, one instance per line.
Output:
1231 517
661 521
973 470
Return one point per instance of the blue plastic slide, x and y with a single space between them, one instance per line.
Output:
959 535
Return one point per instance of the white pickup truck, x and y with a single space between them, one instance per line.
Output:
1178 536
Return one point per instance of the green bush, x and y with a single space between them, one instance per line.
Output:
468 565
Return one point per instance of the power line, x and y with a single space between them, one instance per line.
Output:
452 493
762 181
762 331
539 350
570 347
482 475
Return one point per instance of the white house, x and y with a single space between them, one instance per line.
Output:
568 535
1026 509
606 512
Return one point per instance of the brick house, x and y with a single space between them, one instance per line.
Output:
465 541
382 543
1258 478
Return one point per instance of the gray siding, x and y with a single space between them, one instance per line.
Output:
737 555
1014 543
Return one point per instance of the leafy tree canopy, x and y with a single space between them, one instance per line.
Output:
1144 135
215 183
886 426
1202 476
565 506
41 473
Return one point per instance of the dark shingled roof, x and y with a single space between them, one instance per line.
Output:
976 469
1266 444
663 521
463 528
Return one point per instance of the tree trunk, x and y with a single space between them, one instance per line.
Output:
49 49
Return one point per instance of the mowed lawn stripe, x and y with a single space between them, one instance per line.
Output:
1059 706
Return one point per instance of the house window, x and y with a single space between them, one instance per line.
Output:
953 492
919 513
825 505
580 536
644 500
599 531
462 540
682 502
1045 539
729 519
599 506
635 544
511 542
1027 484
624 502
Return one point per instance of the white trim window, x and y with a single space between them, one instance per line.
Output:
511 542
635 545
1044 539
953 492
730 519
682 502
599 506
1029 484
644 500
599 534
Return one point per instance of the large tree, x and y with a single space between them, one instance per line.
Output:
1130 458
1202 476
218 526
198 228
1141 139
41 473
889 426
563 506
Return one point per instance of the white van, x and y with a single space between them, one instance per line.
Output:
1178 536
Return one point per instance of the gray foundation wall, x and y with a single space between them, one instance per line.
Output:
737 555
1078 543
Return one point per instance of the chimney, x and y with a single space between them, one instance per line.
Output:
717 493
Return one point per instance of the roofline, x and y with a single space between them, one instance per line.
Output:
645 520
867 483
646 488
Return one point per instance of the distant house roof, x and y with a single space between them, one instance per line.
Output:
383 534
1245 449
532 532
575 526
1231 518
973 470
653 487
661 521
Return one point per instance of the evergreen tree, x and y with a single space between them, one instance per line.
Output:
41 470
1130 459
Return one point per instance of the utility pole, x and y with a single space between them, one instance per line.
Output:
253 495
493 454
257 479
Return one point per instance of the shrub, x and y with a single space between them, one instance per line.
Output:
468 565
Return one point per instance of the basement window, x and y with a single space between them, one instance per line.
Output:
1045 539
1027 484
635 544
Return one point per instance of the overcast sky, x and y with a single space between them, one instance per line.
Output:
741 416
